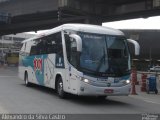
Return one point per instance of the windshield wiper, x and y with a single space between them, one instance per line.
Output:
88 70
115 66
100 62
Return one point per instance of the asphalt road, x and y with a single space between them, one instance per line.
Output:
15 97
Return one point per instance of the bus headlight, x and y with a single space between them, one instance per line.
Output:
84 79
128 81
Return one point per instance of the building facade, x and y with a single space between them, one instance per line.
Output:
149 41
12 43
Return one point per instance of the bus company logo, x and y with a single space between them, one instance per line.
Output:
59 64
37 62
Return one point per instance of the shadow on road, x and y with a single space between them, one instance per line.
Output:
41 89
88 100
96 101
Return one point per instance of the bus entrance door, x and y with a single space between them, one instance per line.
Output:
73 79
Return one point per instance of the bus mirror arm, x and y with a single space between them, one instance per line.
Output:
78 41
136 44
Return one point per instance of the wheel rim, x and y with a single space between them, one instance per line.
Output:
26 80
60 87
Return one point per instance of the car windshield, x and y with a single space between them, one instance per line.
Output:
104 55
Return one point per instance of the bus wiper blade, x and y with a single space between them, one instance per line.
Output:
88 70
102 58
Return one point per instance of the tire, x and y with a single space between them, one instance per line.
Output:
59 88
27 83
156 91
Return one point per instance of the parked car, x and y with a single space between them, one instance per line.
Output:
155 69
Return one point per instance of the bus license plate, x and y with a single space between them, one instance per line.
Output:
108 91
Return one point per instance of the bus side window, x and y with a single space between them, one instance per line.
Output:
73 58
23 47
68 44
42 46
59 49
51 45
39 46
33 50
47 45
55 44
71 48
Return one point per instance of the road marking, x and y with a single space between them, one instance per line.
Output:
145 99
8 76
151 102
2 110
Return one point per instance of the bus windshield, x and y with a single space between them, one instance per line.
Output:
104 55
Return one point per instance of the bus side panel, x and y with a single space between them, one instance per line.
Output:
49 71
40 69
35 69
25 67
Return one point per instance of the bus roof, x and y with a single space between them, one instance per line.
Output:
82 28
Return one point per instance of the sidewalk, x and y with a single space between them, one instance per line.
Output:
151 98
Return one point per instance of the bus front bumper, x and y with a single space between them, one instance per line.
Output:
90 90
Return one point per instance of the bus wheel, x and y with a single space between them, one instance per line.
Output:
156 91
26 80
59 87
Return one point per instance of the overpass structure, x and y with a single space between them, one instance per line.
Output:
33 15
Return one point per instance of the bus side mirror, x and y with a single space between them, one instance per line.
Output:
78 41
136 44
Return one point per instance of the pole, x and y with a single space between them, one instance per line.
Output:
3 49
150 55
133 90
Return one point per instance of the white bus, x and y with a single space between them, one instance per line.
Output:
80 59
